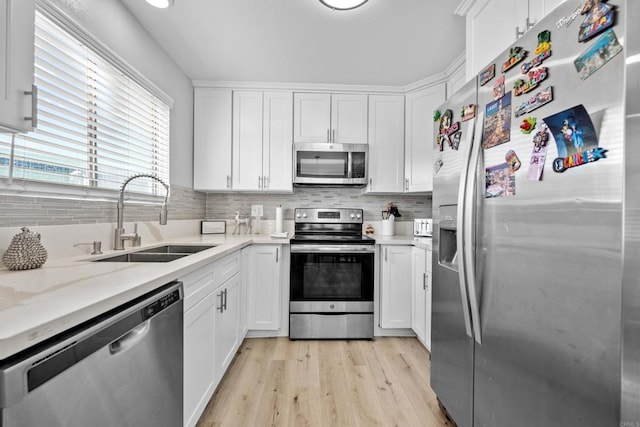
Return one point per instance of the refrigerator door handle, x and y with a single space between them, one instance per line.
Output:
469 230
460 234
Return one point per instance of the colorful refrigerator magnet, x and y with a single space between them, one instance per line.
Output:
599 17
538 154
455 140
538 100
566 21
598 54
487 74
516 54
498 88
499 181
535 77
528 125
512 159
497 122
468 112
443 130
542 52
575 137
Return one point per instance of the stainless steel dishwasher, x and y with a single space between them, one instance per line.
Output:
123 368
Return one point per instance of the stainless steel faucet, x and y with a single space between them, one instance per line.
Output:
120 235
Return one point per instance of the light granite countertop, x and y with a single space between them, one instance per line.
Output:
38 304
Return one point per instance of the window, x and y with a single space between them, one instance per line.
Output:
97 125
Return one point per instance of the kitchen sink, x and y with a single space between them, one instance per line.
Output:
142 257
176 249
164 253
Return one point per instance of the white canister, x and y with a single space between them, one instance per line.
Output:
388 226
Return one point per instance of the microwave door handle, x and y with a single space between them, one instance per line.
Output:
350 164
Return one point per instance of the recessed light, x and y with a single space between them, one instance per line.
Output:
342 4
162 4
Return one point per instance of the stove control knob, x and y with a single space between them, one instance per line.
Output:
304 215
352 216
298 215
358 216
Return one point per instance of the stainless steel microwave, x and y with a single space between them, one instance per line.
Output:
330 164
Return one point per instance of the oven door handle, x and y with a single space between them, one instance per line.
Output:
323 249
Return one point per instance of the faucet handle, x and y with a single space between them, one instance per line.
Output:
97 247
137 239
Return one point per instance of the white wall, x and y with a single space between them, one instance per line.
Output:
111 23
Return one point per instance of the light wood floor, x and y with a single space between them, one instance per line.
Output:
278 382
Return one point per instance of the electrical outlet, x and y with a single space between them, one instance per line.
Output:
256 210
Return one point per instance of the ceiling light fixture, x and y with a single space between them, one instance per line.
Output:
162 4
342 4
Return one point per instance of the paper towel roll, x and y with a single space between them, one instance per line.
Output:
279 219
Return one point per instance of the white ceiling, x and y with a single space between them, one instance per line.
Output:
385 42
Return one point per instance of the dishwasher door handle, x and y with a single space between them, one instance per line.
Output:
131 338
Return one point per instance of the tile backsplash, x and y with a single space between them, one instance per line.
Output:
187 204
224 206
18 211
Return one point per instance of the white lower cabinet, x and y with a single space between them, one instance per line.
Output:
213 330
395 286
263 273
226 336
199 319
421 295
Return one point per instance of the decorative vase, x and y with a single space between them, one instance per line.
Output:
25 251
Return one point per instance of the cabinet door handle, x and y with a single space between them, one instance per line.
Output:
527 26
333 136
370 182
221 306
328 135
265 182
406 184
277 254
259 182
385 254
424 281
224 303
228 181
34 105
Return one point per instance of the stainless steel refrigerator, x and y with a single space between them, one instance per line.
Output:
536 207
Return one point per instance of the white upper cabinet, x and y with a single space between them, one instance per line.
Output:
242 140
493 25
247 140
331 118
212 139
349 118
262 148
456 81
277 154
386 144
17 96
418 167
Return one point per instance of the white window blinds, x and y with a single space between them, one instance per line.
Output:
96 125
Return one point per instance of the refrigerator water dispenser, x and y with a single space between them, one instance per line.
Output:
447 243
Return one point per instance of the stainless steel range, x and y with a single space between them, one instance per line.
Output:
332 276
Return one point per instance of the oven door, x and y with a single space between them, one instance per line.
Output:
332 273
